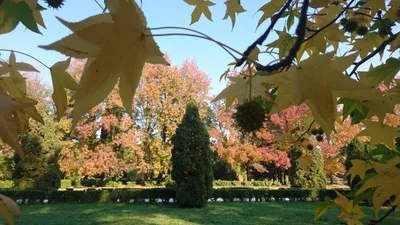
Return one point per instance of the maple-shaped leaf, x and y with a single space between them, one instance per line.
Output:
8 131
119 44
350 213
61 81
322 208
269 9
379 107
379 133
306 162
327 14
359 167
386 183
367 43
13 67
8 209
375 6
200 9
384 73
319 3
232 8
316 87
240 89
14 11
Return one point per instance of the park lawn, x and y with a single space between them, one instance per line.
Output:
154 214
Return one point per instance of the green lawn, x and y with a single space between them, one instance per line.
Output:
214 213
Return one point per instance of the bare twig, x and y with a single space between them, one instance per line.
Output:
305 132
100 5
330 23
300 32
377 50
264 36
374 222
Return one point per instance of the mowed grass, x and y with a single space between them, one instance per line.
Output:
152 214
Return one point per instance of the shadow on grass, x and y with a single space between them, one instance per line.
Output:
152 214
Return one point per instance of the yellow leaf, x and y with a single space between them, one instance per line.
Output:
61 81
327 14
119 49
379 133
386 183
38 17
269 9
317 41
13 67
233 7
241 90
359 167
319 3
306 162
367 44
350 213
8 131
201 8
394 45
375 6
379 107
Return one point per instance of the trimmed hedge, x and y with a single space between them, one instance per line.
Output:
235 183
153 195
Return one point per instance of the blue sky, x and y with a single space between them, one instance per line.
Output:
210 57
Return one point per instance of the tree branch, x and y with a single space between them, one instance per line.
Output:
377 50
333 21
264 36
300 32
374 222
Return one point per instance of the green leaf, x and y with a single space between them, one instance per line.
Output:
380 150
26 17
349 105
322 208
290 21
357 116
384 73
285 14
8 17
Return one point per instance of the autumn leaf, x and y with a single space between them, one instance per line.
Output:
350 213
367 44
240 89
8 131
8 208
232 8
319 3
375 6
384 73
202 7
386 183
322 208
379 133
119 47
305 162
14 11
61 81
318 88
269 9
13 67
380 106
359 167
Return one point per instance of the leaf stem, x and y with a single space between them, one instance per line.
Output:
305 132
25 54
224 46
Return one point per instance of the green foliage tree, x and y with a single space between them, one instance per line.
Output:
191 160
41 147
356 149
312 177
